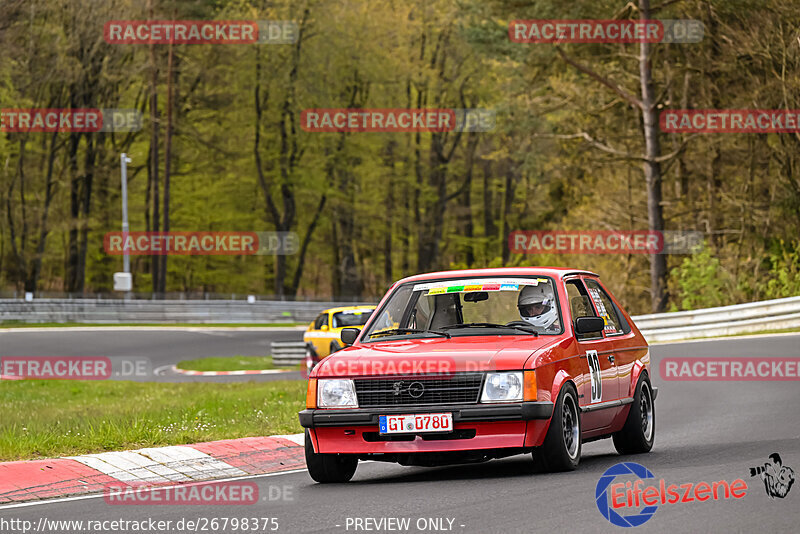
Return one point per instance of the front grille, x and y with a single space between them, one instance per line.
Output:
459 388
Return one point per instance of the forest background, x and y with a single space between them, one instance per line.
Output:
222 149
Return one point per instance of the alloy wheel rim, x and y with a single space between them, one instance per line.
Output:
569 421
646 409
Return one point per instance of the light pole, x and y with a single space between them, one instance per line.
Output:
124 160
123 281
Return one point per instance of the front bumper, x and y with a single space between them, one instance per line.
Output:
475 427
487 413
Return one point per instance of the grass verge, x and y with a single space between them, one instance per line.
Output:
48 418
230 363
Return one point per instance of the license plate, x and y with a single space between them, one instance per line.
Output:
413 423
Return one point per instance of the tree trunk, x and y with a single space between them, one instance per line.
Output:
489 228
508 199
301 257
162 280
466 202
74 214
652 169
154 260
89 165
387 233
289 154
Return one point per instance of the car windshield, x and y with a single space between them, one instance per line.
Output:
351 318
502 305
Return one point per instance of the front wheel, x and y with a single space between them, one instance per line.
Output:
311 358
639 432
561 450
326 468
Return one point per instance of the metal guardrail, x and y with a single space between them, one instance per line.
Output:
766 315
288 353
746 318
161 311
710 322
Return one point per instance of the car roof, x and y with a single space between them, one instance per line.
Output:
555 272
349 308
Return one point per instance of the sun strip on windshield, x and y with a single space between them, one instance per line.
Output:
466 286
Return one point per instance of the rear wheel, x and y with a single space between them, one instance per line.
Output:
325 468
639 432
561 450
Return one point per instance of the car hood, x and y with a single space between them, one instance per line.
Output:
433 355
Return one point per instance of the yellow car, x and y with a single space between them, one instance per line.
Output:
322 336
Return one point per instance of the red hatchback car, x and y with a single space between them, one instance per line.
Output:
466 366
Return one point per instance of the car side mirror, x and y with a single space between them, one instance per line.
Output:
349 335
324 328
587 325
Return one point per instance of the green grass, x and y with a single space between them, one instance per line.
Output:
13 323
230 363
49 418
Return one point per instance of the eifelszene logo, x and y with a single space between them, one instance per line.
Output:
615 498
778 478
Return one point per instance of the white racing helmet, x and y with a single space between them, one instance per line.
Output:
537 306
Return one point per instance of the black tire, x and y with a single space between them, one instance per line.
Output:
334 347
639 432
327 468
561 450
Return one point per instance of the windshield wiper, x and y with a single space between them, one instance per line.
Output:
521 328
395 331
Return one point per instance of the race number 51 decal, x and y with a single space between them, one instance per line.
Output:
594 371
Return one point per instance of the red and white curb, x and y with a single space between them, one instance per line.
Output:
227 373
177 464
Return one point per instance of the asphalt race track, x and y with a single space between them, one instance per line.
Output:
705 432
162 348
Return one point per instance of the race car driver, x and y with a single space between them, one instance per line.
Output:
537 307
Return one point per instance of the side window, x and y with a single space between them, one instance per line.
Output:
579 305
606 308
321 320
395 312
421 313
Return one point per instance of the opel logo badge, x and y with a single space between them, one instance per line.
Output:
416 389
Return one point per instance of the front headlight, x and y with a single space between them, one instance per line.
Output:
336 393
502 387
